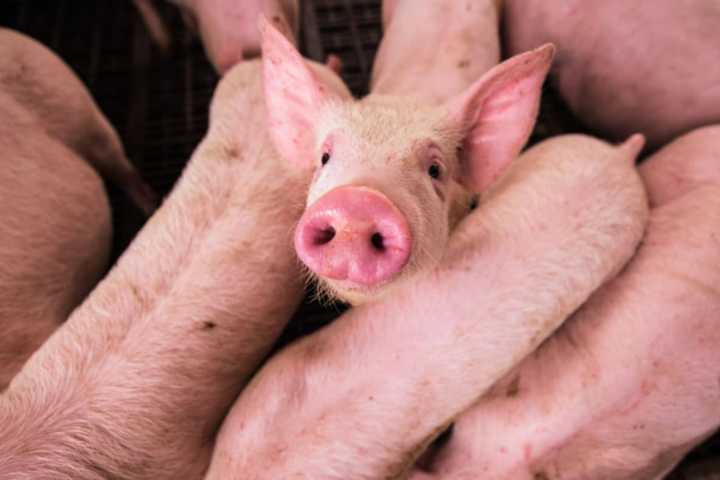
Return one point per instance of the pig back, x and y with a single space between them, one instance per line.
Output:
628 66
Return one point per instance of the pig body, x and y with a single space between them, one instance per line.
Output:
630 384
55 234
46 87
565 218
136 382
434 49
652 65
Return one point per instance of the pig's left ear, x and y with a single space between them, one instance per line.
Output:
497 114
293 97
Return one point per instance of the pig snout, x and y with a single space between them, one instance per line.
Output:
354 234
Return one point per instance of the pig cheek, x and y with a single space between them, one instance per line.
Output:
428 223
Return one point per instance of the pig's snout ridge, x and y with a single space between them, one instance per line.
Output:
354 234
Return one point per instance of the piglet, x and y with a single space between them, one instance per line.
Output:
628 65
393 174
46 87
228 28
363 397
135 383
629 384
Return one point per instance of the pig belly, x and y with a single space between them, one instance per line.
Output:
55 236
653 65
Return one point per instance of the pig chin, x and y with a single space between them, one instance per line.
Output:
356 294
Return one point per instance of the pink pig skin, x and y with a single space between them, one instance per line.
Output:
629 384
46 87
627 66
229 28
54 234
363 397
434 49
135 384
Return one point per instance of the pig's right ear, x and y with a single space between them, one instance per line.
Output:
496 116
293 97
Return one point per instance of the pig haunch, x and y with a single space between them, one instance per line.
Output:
46 87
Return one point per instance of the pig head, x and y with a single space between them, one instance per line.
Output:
393 175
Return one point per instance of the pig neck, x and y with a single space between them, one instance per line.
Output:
425 57
176 327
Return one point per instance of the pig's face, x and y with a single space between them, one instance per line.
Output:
392 176
382 151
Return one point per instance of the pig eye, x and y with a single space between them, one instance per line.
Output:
434 171
325 157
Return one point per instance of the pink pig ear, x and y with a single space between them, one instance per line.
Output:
292 96
497 114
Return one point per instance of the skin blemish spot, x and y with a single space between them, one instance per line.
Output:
514 388
463 63
208 325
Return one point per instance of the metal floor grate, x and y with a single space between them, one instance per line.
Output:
159 104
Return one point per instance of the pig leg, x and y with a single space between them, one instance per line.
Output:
363 397
628 386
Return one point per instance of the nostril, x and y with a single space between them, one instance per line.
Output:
323 236
378 242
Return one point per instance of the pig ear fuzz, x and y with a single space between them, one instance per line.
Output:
293 96
497 114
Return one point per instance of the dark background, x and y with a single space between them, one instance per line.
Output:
159 102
